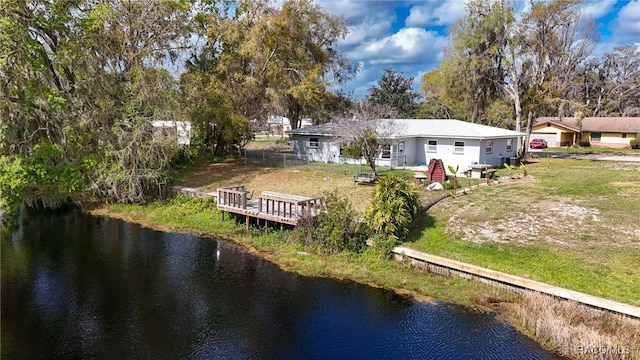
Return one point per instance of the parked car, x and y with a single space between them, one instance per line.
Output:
538 144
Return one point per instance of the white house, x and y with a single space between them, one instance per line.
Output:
179 129
279 125
416 142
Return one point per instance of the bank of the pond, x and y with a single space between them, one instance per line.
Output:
200 216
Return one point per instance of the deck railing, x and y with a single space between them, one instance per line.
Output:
233 196
288 206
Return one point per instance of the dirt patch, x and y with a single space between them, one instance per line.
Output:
548 222
633 166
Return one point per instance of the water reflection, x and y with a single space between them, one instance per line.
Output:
76 286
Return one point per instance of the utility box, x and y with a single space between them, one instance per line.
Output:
514 161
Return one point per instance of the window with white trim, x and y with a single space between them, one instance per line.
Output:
386 152
313 142
488 149
509 144
432 145
458 147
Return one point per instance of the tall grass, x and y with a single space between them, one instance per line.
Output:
578 331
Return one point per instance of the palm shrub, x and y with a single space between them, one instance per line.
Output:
454 171
392 211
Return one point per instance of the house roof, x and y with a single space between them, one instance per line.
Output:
321 130
595 124
433 128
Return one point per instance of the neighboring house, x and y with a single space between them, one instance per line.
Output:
178 129
457 143
279 125
615 132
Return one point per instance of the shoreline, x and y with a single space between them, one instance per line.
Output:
522 312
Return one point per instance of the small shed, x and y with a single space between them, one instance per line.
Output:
436 172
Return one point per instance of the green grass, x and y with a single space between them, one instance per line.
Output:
594 150
618 281
599 257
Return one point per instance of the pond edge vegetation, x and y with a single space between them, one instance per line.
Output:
334 245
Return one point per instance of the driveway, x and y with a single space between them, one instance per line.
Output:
566 155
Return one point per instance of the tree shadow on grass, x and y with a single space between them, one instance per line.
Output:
220 173
423 222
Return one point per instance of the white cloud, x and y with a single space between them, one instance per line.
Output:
628 22
366 30
436 13
407 46
597 8
358 9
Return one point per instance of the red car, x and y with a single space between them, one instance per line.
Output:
538 144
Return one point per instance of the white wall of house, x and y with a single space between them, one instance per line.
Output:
453 152
415 151
497 151
317 148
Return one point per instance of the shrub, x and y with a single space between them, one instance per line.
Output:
635 143
585 144
334 230
392 211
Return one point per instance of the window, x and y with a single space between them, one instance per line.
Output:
458 147
313 142
596 137
489 148
509 144
624 135
432 146
401 147
386 152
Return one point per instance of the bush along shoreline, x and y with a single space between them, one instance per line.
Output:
334 245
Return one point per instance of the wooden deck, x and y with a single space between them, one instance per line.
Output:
269 206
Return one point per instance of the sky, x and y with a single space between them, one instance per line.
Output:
409 36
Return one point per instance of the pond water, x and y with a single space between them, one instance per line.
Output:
78 286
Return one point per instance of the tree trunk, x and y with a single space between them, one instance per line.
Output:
526 139
518 109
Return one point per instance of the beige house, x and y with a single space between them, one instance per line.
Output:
615 132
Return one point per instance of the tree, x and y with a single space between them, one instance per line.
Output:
392 211
394 90
259 60
554 40
442 100
478 43
532 61
365 131
81 84
610 86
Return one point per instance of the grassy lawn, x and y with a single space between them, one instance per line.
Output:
594 150
571 223
575 224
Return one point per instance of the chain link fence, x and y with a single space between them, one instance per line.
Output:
275 158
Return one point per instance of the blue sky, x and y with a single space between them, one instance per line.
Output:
409 36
